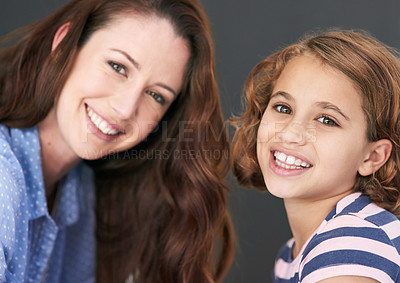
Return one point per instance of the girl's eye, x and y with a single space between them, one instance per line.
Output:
157 97
118 67
327 121
283 109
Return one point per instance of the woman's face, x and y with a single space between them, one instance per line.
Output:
123 81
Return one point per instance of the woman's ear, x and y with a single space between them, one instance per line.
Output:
60 34
378 154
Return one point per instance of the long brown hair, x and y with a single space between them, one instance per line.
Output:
374 70
161 205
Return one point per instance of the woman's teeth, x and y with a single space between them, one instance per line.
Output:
289 162
102 125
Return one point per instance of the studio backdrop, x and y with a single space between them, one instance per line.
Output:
245 32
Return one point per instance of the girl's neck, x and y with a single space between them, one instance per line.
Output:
57 157
305 216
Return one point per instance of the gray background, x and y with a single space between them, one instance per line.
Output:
245 32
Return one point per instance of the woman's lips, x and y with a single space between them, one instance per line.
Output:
100 127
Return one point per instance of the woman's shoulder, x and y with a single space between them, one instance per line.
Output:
12 181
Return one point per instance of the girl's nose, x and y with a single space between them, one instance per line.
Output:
294 133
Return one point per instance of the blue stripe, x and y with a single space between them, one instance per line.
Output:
294 279
285 253
354 207
382 218
396 243
331 214
361 232
344 257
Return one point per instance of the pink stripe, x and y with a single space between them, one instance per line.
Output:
392 229
354 243
347 270
347 221
346 201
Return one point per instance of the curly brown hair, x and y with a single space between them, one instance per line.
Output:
374 70
158 216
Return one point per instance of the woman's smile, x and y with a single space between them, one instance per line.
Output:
110 129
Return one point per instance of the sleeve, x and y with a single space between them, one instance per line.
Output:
11 215
350 246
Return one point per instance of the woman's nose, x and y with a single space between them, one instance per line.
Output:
125 104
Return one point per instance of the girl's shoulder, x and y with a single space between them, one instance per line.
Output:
362 218
360 238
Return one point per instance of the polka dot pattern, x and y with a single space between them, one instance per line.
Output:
36 246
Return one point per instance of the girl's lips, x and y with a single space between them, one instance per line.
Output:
283 154
284 163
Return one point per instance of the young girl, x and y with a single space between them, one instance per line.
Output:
322 131
128 86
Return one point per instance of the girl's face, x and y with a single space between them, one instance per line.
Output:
312 137
123 81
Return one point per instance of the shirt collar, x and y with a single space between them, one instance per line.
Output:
26 146
67 205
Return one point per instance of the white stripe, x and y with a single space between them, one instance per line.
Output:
349 270
369 210
344 202
285 270
354 243
290 243
392 229
351 221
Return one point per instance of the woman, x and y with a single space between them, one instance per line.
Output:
129 86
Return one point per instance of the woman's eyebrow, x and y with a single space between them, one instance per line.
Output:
130 59
328 105
137 66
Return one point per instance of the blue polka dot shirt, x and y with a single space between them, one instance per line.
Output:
36 246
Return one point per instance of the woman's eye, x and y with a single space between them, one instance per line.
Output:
118 67
283 109
327 121
157 97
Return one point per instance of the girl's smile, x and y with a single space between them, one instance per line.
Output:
285 163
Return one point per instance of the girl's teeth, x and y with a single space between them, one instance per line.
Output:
289 162
281 156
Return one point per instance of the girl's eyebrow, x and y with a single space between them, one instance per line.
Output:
321 104
282 93
328 105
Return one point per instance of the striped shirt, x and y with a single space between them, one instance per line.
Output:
357 238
